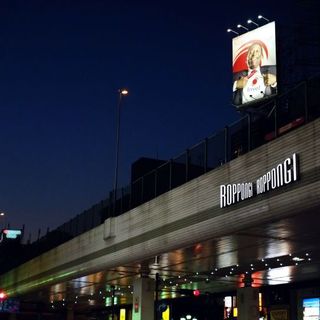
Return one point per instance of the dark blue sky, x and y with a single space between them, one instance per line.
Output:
61 63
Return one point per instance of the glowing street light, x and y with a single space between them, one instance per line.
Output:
3 216
251 21
230 30
241 26
122 92
262 17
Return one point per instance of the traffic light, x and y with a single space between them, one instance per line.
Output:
196 293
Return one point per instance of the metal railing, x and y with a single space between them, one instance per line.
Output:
258 126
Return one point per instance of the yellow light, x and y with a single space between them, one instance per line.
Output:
124 92
122 314
166 314
260 301
235 312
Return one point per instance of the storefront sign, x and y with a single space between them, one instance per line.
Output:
282 174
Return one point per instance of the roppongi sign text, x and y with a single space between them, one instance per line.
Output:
282 174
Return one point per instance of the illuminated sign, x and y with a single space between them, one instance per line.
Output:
311 308
254 65
166 314
12 234
122 314
280 175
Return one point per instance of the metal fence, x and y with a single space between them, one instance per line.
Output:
258 125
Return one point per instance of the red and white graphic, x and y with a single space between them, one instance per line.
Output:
254 65
265 37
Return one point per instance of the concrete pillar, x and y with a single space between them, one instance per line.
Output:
143 299
248 303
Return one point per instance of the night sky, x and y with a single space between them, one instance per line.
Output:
61 64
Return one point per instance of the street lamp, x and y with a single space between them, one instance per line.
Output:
3 217
122 92
2 225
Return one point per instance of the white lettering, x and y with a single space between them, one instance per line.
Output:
234 192
238 191
294 166
268 180
287 171
284 173
279 175
229 192
258 188
222 196
273 178
250 190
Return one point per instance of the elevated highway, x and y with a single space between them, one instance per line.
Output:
188 239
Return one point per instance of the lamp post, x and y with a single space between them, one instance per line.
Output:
2 227
2 216
122 92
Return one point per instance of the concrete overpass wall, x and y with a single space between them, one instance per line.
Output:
184 216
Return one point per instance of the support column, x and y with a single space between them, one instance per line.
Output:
143 299
248 301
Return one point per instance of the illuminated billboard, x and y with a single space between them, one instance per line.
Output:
311 309
254 65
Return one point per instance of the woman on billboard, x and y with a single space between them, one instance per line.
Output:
254 78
